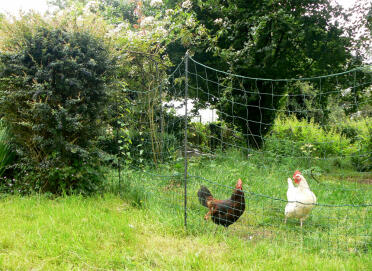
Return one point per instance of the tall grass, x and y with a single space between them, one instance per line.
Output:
107 233
142 228
330 229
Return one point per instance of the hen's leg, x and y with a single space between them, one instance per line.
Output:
206 217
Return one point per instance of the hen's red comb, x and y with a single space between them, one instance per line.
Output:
296 172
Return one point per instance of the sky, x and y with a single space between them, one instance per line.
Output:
12 6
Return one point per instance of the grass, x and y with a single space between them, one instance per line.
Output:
143 228
107 233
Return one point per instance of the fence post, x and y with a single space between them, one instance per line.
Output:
160 84
185 140
117 141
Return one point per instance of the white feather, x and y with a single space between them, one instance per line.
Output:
300 199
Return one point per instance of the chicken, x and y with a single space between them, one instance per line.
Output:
223 212
300 199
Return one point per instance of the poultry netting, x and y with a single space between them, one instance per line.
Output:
190 139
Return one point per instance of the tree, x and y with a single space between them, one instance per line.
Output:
265 39
53 92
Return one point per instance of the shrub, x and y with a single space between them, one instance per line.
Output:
362 158
290 136
53 91
140 148
354 129
198 135
6 154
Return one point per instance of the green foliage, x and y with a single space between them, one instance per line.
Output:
141 149
212 136
6 154
304 102
363 161
53 92
263 39
291 136
199 135
355 130
56 177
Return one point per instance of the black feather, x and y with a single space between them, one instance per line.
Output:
203 194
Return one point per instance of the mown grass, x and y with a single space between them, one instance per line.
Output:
141 226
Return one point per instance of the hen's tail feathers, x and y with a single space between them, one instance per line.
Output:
203 194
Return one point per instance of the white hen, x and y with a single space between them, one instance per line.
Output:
300 199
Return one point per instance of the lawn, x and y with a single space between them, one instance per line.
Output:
107 233
139 223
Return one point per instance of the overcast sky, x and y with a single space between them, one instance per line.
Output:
12 6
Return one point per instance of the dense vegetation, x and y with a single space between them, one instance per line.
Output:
143 229
65 117
53 92
86 97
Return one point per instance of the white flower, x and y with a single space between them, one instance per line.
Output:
190 22
117 29
218 21
91 6
187 4
156 3
160 30
147 21
168 12
120 26
109 130
345 92
201 31
80 19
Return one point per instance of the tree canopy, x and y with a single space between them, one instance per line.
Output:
265 39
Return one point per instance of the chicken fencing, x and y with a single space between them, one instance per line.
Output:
190 139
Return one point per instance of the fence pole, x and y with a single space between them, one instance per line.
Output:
160 84
117 140
185 140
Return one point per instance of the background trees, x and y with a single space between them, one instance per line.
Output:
75 75
267 39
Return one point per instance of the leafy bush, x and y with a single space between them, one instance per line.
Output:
140 148
198 135
293 137
354 129
6 154
224 135
213 135
362 159
53 91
